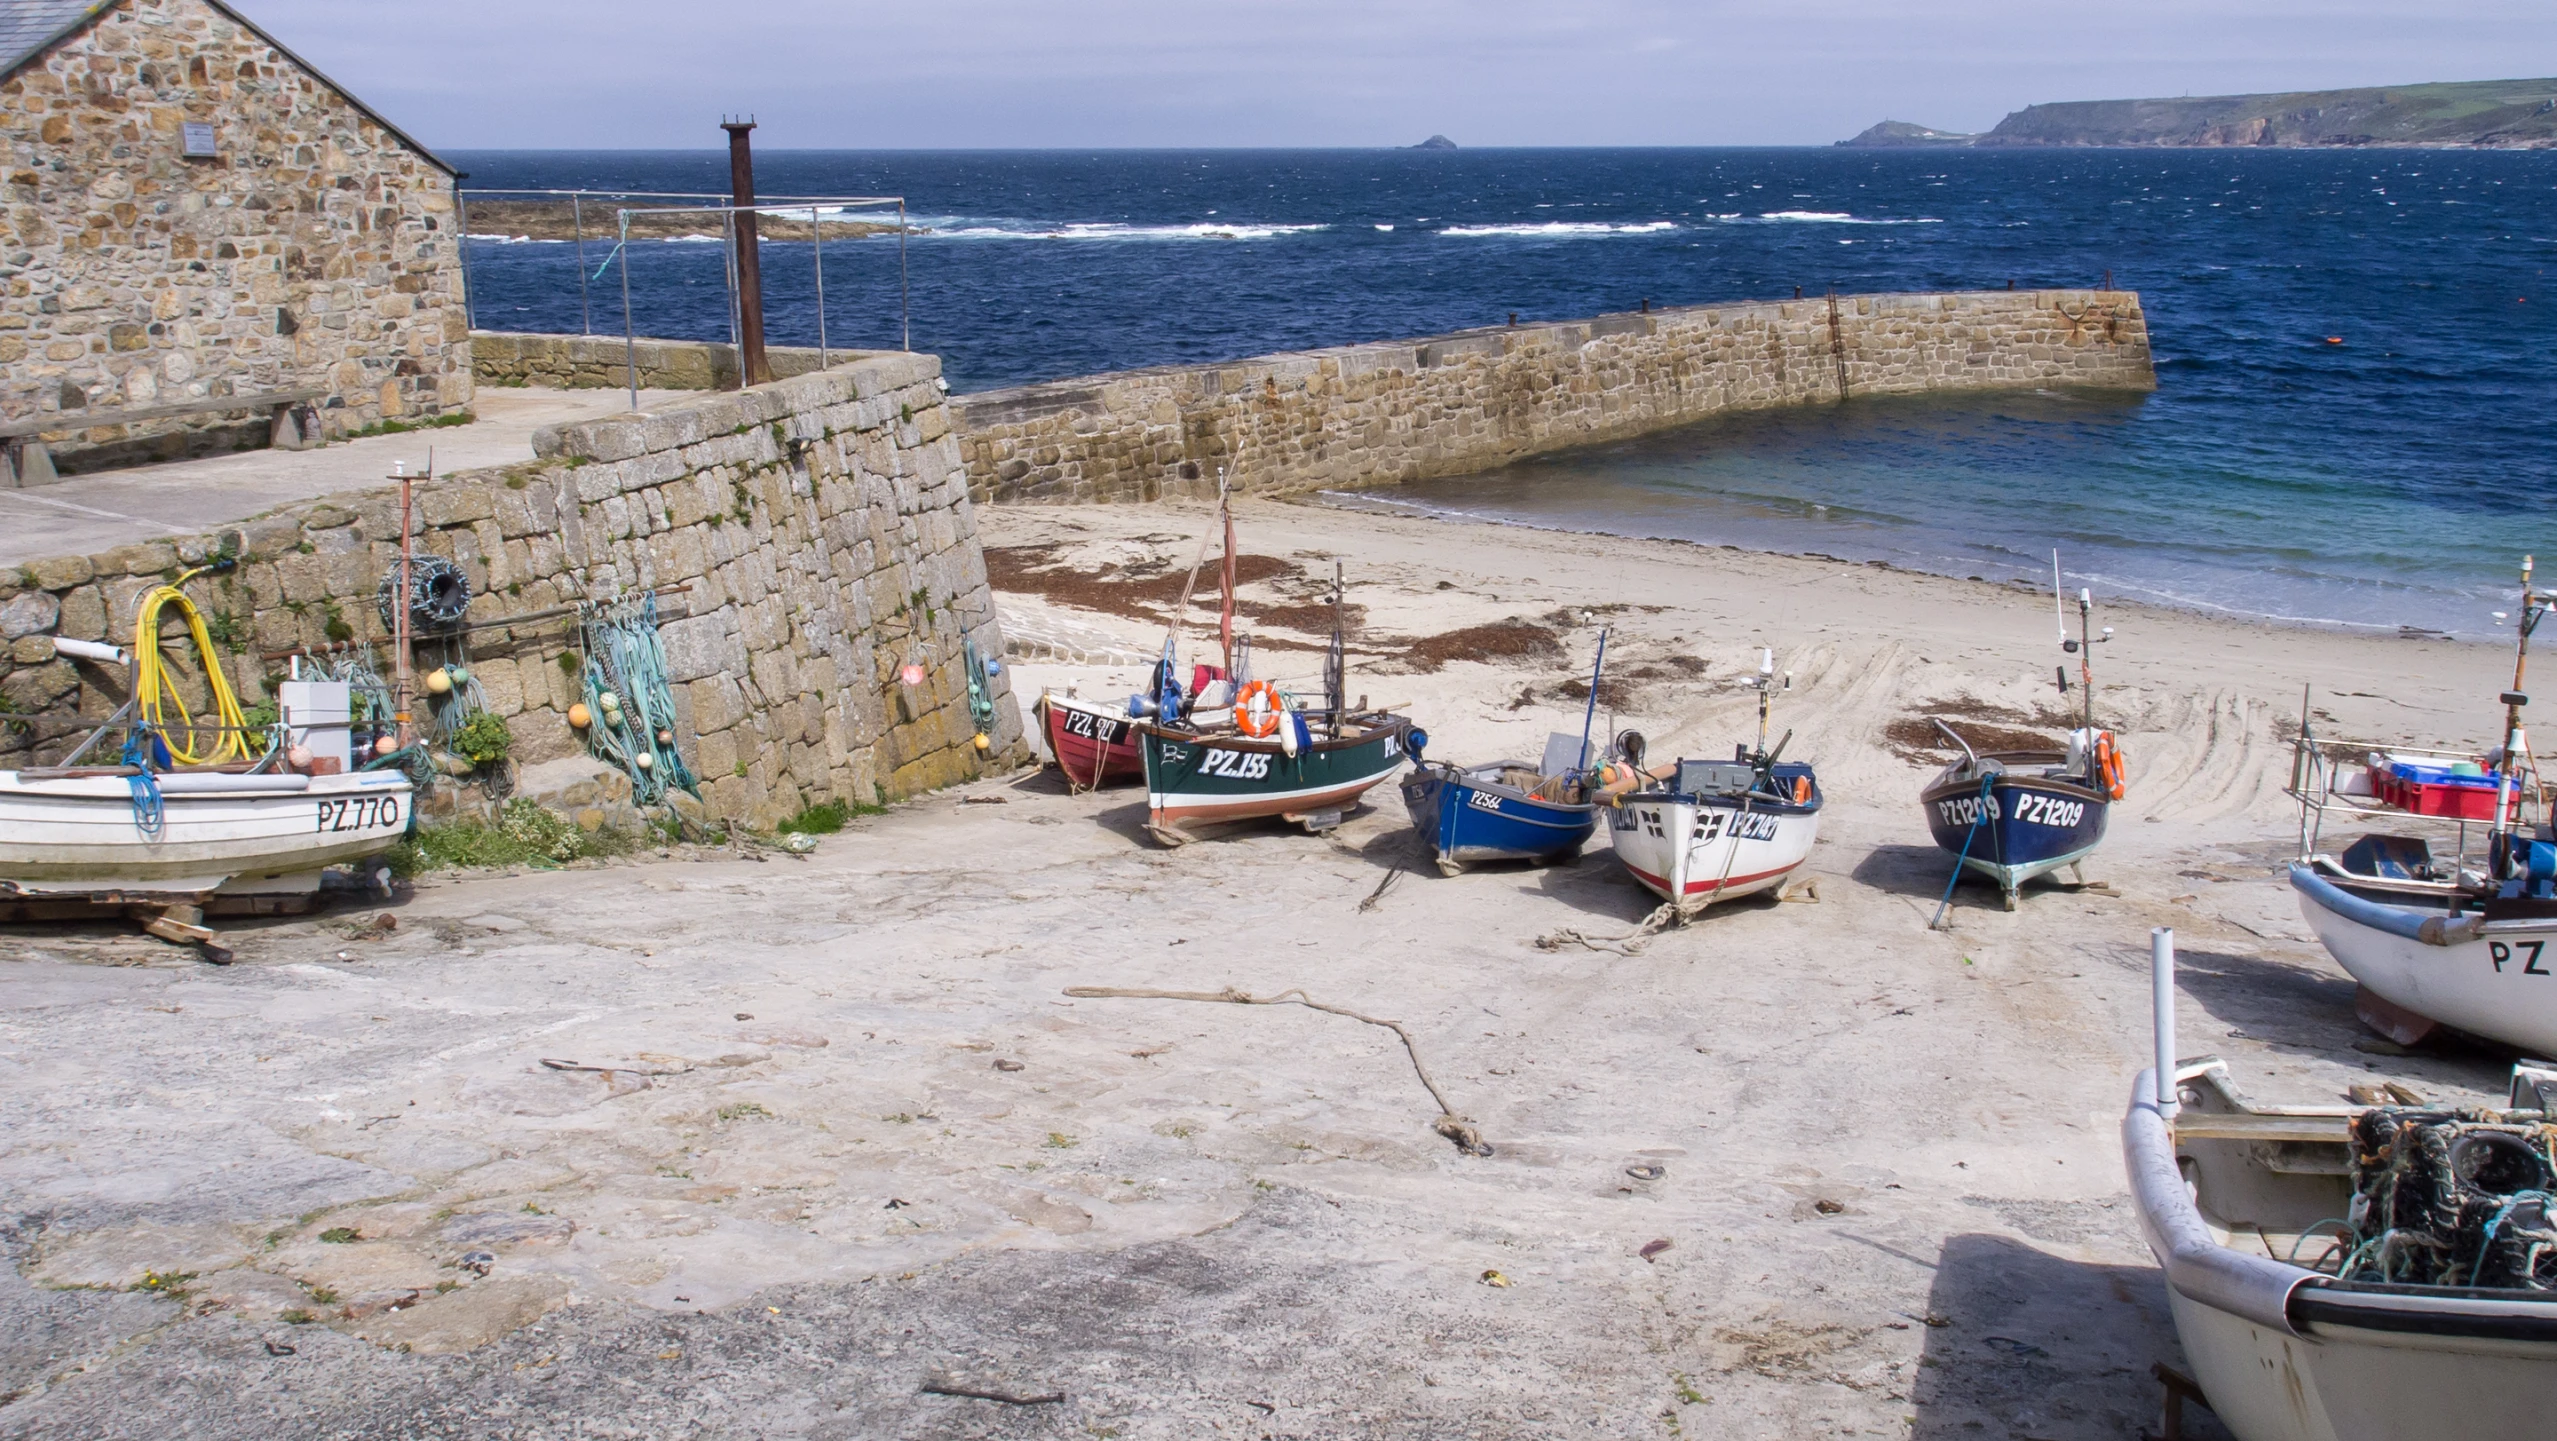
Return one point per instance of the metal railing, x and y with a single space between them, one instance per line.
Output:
813 206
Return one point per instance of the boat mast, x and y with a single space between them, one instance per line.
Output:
2533 606
1225 614
2086 654
1336 680
1766 698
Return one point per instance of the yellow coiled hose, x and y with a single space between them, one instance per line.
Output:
156 693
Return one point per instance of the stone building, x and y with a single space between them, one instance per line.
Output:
193 215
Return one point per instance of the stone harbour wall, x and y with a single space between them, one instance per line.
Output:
822 525
315 249
597 362
1409 410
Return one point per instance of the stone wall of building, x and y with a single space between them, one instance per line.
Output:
821 524
598 362
1409 410
316 249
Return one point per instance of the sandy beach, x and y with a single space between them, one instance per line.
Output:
796 1147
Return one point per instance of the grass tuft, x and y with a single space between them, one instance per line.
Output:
825 818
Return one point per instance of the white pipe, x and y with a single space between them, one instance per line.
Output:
92 650
2162 982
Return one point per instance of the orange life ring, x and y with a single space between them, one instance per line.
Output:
1257 709
2110 771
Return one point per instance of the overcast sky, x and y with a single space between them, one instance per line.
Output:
465 74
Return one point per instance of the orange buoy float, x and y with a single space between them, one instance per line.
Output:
1258 709
579 716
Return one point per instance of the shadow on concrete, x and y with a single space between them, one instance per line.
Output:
2023 1343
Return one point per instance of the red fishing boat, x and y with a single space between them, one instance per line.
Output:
1094 744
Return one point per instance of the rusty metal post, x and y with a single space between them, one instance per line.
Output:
751 367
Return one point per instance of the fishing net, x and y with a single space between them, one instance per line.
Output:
630 703
2451 1198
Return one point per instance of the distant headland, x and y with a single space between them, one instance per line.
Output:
1436 142
2483 114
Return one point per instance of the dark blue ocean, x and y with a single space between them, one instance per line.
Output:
2352 424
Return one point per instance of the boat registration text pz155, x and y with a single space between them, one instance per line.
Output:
359 813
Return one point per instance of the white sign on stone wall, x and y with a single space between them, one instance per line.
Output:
197 139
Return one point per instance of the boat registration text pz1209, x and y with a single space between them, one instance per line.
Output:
2031 808
360 813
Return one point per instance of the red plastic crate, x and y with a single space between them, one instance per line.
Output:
2459 802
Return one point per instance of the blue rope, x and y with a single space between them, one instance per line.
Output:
150 814
2502 1213
1987 780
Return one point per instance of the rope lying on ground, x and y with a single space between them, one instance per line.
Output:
1630 943
1449 1124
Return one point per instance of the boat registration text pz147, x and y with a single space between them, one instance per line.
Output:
359 813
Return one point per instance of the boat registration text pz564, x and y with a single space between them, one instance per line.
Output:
359 813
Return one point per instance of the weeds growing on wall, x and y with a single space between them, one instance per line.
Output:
524 834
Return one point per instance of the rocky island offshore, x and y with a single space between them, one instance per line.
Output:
2483 114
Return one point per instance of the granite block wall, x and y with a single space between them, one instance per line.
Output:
1409 410
313 248
821 524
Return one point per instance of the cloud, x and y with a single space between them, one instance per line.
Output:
998 73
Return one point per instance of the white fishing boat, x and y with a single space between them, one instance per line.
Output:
2466 939
2301 1245
2484 963
1708 831
162 842
81 833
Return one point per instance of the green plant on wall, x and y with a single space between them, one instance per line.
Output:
483 740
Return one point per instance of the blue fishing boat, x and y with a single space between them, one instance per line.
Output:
2014 815
1508 810
1504 811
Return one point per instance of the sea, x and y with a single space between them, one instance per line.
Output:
2352 426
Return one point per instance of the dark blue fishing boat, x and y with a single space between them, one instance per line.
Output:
1504 811
2015 815
1509 810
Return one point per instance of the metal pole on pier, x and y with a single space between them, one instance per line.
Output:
577 217
751 367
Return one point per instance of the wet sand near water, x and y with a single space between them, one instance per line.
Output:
837 1134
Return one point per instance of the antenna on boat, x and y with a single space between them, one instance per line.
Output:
1590 716
2533 607
2059 618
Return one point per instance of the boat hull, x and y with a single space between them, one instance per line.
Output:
1093 746
78 838
2497 980
1695 850
1468 816
1193 780
2284 1355
2026 826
